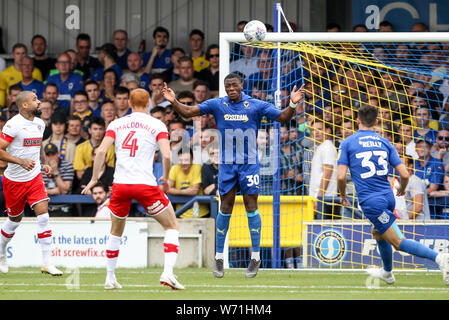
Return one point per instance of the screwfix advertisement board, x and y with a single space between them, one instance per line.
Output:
78 244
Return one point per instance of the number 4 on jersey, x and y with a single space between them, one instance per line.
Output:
132 147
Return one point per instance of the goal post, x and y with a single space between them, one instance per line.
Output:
317 59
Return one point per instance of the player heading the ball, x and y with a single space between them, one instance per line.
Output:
237 116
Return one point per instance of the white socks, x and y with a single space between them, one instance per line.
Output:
7 232
171 248
45 237
255 256
112 251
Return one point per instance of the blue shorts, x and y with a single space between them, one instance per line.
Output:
379 211
246 175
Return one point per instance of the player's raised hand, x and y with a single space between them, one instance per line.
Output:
297 96
27 164
168 93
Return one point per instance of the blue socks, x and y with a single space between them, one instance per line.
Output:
222 226
417 249
254 224
386 253
221 229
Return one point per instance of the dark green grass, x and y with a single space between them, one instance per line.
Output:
143 284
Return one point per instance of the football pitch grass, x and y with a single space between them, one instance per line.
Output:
143 284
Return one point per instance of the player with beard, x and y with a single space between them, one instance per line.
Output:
20 147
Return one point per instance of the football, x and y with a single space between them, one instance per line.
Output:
255 30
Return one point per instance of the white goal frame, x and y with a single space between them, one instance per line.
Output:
227 38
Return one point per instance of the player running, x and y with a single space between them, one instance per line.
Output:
368 155
238 117
20 146
136 138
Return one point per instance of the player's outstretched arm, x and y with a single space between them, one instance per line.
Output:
182 109
98 162
296 96
341 183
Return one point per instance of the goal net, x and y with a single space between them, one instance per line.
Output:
303 223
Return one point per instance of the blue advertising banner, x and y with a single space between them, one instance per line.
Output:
402 14
349 245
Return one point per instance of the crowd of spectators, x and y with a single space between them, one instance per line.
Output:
81 94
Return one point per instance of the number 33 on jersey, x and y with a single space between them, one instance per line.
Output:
368 157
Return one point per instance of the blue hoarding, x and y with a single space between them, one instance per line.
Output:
348 245
402 14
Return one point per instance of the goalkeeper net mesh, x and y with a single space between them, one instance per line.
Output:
409 83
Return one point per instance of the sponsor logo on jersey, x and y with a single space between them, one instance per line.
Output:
32 142
236 117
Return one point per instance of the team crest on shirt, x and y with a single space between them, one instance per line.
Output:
70 85
246 104
384 218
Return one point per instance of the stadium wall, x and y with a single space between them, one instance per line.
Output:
81 242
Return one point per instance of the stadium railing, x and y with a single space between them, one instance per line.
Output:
186 200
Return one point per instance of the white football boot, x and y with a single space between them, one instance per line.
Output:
171 281
379 273
51 269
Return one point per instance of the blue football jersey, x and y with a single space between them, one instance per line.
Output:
35 86
238 124
67 88
368 157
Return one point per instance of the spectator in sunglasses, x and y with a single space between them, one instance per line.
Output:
440 148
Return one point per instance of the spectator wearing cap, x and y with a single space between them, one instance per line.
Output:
66 80
106 56
66 148
60 180
428 168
